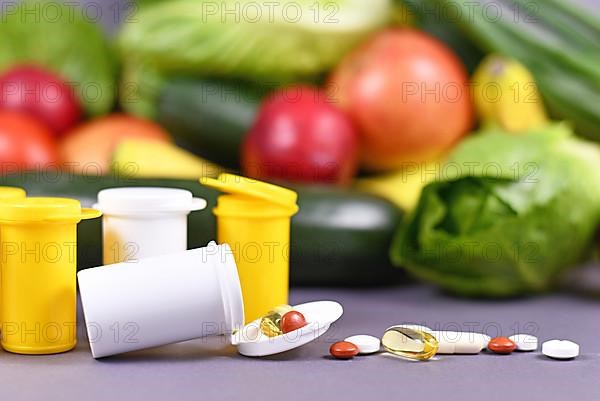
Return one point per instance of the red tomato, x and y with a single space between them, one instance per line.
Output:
301 136
42 94
89 147
25 143
407 93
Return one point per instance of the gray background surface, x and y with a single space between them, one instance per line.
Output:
211 370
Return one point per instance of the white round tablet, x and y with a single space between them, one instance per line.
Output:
560 349
525 342
366 344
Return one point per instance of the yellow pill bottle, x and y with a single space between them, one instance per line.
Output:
38 243
9 194
253 218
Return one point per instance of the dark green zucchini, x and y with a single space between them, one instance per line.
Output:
442 25
339 237
209 117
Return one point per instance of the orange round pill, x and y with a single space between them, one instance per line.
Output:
293 320
343 350
502 345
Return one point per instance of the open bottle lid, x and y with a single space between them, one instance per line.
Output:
319 315
250 188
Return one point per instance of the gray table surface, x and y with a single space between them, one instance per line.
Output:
212 370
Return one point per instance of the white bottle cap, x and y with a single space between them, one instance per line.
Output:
160 300
143 222
144 200
319 315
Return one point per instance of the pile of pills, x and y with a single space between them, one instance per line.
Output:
281 320
421 343
416 342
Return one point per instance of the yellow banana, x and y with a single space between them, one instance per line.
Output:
143 158
403 187
505 94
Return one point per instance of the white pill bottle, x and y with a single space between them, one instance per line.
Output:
140 222
161 300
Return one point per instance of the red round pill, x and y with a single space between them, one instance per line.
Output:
343 350
501 345
293 320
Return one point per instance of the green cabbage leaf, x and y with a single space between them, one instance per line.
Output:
262 41
508 216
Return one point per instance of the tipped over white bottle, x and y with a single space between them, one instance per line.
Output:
161 300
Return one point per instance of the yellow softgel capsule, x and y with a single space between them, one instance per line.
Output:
409 343
270 324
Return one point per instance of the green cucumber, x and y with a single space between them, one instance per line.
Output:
210 117
563 61
339 237
442 26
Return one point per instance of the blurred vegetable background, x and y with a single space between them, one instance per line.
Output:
410 128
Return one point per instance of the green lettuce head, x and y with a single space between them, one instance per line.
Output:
509 214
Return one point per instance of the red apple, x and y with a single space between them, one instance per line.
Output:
41 94
301 136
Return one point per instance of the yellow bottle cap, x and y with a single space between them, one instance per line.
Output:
248 187
11 193
44 210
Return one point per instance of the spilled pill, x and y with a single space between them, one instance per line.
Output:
560 349
501 345
525 342
457 342
343 350
366 344
409 343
